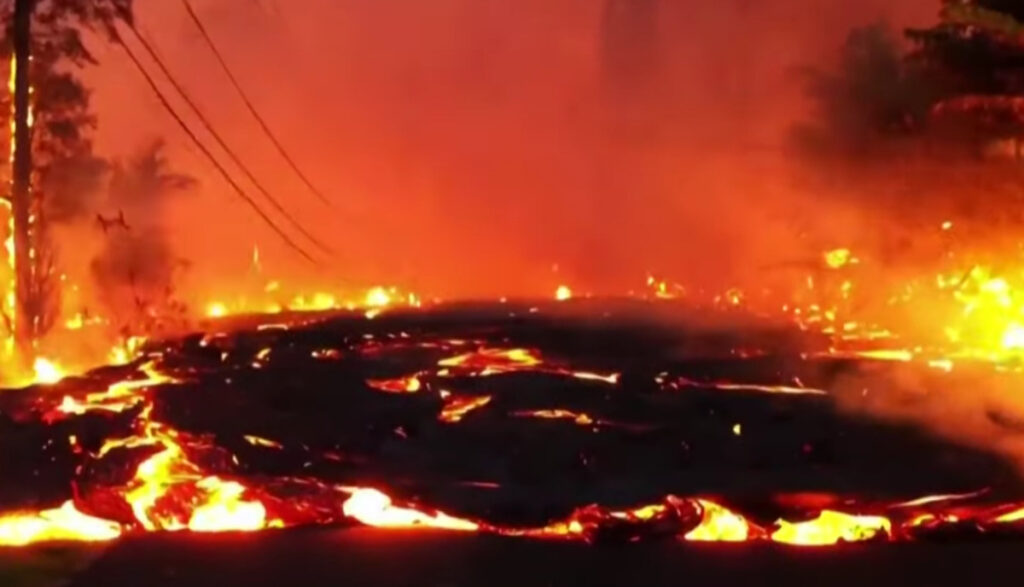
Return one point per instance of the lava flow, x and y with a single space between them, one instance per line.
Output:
327 440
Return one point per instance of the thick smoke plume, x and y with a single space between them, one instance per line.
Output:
473 147
136 268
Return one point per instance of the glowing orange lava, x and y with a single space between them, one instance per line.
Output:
373 508
832 527
718 524
61 524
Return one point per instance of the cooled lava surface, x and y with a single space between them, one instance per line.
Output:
588 421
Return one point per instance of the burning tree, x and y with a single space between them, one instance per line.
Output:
65 173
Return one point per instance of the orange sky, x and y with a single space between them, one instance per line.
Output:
463 141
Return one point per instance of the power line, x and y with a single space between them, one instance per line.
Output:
223 144
252 109
238 190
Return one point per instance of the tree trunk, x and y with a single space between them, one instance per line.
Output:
21 192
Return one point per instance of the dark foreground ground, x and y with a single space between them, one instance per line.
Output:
391 559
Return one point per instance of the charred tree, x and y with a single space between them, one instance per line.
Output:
25 311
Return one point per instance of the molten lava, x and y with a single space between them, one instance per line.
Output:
832 527
373 508
62 524
182 480
718 524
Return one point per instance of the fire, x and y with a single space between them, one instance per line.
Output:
373 508
832 527
839 258
65 523
1013 337
47 372
377 297
563 293
216 310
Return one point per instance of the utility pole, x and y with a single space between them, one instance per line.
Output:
21 186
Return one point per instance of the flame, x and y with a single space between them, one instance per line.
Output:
76 322
831 527
377 297
839 258
65 523
46 371
10 297
563 293
216 310
373 508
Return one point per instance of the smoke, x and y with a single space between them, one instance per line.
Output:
124 266
136 268
472 147
974 407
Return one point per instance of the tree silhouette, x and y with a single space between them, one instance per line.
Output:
976 55
67 175
871 96
136 267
